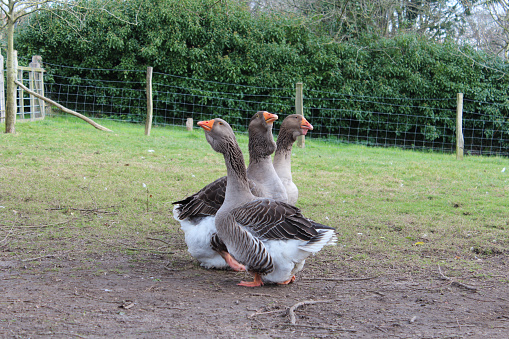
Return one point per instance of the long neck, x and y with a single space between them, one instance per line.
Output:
260 170
283 156
237 187
261 145
263 172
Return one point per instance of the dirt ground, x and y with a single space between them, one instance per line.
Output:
66 295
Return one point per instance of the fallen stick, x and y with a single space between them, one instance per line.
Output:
261 295
66 110
95 210
341 279
8 233
156 239
330 328
43 256
267 312
42 226
454 282
65 334
132 248
292 309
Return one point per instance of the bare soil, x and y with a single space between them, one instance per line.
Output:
69 295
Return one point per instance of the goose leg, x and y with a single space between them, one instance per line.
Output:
234 264
289 281
218 245
255 283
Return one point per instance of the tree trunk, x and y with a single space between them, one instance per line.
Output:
10 97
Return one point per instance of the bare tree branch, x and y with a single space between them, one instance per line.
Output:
66 110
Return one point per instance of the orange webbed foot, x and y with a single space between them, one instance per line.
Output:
255 283
289 281
250 284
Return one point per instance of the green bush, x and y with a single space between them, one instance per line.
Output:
260 58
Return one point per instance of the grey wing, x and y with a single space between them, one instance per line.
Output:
269 219
205 202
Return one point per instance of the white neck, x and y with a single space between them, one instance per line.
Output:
283 164
262 172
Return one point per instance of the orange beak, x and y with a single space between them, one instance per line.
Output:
206 125
269 117
306 125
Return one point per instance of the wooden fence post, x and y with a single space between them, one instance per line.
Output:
460 144
189 124
299 109
18 92
31 87
150 103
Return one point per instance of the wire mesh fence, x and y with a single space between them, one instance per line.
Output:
386 122
411 123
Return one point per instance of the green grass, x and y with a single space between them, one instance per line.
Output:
65 186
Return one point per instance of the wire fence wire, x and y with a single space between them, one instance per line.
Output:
410 123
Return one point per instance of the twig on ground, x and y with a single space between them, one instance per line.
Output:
267 312
42 226
454 282
484 301
9 232
330 328
65 334
86 210
43 256
259 322
5 238
164 242
172 308
464 325
96 210
172 269
342 279
380 329
261 295
132 248
291 310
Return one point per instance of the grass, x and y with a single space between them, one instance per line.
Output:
65 186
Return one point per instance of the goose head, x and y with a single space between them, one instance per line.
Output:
219 134
297 125
261 140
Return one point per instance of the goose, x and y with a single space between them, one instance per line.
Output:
272 239
293 126
196 213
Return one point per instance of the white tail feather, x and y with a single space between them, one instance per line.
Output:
325 237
